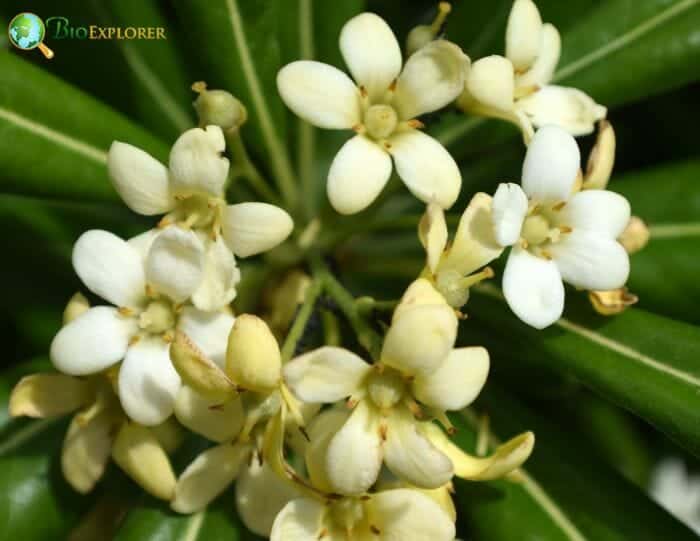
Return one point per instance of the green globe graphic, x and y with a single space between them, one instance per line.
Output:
27 31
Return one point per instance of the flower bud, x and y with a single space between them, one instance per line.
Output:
602 158
253 358
77 305
423 34
613 302
635 236
218 107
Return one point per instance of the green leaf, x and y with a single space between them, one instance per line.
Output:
642 362
60 136
582 495
664 274
155 520
239 48
619 52
160 90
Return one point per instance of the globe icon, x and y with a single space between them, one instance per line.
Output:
27 31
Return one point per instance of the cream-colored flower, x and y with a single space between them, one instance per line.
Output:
452 268
191 194
404 514
675 489
556 233
381 105
148 293
516 87
417 362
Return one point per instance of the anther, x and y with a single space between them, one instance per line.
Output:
124 311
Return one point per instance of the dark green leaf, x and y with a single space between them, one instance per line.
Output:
643 362
664 274
570 484
60 136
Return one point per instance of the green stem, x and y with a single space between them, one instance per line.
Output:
306 131
366 335
244 167
297 330
367 305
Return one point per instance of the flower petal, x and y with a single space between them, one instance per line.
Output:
354 455
148 383
505 458
207 476
432 231
420 339
408 514
137 451
568 108
533 288
427 169
371 52
457 382
208 330
49 395
86 450
410 455
110 268
542 70
591 261
197 164
175 263
599 211
551 165
523 34
143 241
299 520
252 228
508 212
358 174
220 276
321 432
92 342
432 78
491 82
260 496
474 244
140 179
320 94
210 418
326 374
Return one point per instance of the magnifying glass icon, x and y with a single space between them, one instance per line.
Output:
27 32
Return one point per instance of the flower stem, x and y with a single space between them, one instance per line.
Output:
297 329
244 167
366 335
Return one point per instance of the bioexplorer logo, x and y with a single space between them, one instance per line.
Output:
27 31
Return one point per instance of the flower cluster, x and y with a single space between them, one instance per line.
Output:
324 442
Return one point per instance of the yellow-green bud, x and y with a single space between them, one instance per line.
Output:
253 358
218 108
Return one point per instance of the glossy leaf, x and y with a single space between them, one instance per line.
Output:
664 274
60 136
643 362
585 498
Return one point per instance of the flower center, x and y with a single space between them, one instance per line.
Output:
198 210
158 317
346 513
386 388
380 121
455 287
536 230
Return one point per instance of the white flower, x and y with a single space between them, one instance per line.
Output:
400 514
677 491
516 87
557 234
417 362
147 292
452 270
191 192
381 106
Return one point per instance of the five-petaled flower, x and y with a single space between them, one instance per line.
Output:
191 192
556 232
516 87
382 108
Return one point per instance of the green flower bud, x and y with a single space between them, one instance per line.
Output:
218 108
